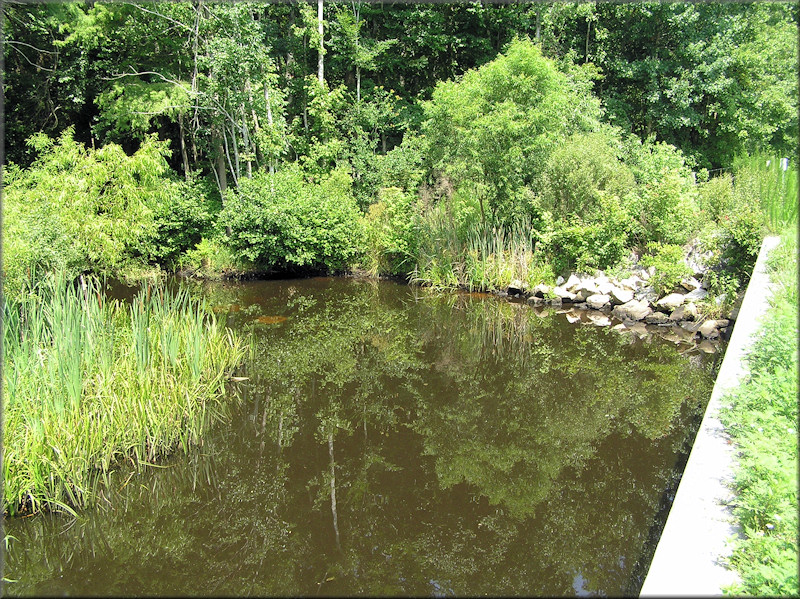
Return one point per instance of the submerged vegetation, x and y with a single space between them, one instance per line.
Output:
762 420
90 383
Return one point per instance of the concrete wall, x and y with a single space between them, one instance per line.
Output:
690 554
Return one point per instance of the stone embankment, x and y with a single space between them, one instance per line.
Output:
633 302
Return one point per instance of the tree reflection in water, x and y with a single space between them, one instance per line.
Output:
395 441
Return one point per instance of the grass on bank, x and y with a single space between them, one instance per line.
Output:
89 383
762 420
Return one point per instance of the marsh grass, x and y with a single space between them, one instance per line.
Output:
89 383
762 420
775 189
486 259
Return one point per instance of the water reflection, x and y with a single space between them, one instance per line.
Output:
391 442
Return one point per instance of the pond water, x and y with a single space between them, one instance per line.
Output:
392 441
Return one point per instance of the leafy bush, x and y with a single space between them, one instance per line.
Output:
744 231
391 232
668 262
496 126
665 205
82 209
210 257
715 198
180 222
577 170
597 244
284 222
666 210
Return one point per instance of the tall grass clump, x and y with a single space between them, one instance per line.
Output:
774 189
454 251
762 420
89 383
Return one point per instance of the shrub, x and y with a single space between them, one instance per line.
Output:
665 205
82 209
744 230
715 198
668 262
592 245
576 171
391 232
495 127
180 221
284 222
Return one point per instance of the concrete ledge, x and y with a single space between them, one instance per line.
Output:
700 523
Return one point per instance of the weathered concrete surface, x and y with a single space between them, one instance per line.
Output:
699 525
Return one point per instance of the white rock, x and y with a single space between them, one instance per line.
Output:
572 282
709 329
696 294
633 310
620 295
690 283
671 301
541 290
515 287
598 300
563 294
605 287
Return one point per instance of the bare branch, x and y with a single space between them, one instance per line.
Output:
29 46
40 67
158 14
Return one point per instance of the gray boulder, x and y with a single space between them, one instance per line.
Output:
620 295
541 290
515 287
671 301
697 294
633 310
572 283
598 300
684 312
657 318
646 294
563 294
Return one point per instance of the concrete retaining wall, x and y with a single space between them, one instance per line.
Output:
699 525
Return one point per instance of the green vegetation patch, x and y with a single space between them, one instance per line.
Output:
89 383
762 419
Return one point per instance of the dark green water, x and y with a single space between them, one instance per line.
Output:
472 447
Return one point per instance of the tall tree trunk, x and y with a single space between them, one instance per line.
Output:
271 125
358 84
221 173
320 62
538 24
184 157
588 30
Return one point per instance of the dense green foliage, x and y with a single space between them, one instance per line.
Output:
283 221
89 383
762 420
80 209
491 130
498 116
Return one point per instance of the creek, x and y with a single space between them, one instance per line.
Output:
389 440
